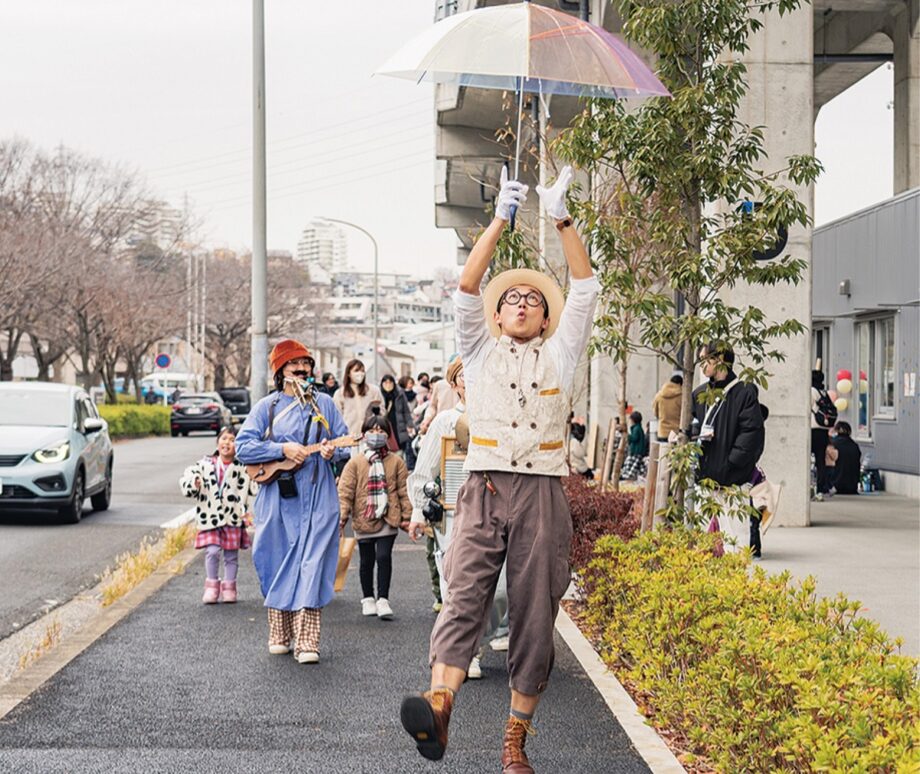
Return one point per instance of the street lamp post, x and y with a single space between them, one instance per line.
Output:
258 379
376 307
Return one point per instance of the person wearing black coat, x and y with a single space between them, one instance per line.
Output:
731 430
849 456
396 408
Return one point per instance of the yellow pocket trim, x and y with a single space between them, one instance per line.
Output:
551 446
484 441
553 391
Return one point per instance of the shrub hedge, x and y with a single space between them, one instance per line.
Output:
756 673
127 420
597 512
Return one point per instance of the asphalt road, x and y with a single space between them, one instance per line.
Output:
43 563
179 687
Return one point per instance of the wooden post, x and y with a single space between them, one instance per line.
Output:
608 453
663 483
651 482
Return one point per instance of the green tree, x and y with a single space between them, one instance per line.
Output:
701 163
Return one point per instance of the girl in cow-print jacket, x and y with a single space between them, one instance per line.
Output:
224 493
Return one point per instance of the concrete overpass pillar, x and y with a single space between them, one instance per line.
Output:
906 37
780 65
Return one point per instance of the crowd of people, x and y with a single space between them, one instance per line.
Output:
315 455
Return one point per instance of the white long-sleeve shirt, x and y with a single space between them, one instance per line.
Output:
564 348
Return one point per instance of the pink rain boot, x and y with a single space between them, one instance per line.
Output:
228 591
211 591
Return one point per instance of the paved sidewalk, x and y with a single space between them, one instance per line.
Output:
177 687
866 546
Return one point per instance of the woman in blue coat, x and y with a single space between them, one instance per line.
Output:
296 517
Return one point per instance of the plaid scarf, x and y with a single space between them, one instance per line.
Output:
376 484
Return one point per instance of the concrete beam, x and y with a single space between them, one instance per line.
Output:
906 35
468 142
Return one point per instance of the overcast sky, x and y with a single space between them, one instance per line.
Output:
165 88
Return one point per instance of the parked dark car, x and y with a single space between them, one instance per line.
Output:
199 411
238 401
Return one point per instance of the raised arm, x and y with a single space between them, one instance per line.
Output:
512 193
553 201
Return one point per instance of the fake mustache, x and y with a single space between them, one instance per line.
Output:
301 374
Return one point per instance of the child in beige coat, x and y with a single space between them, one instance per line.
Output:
372 491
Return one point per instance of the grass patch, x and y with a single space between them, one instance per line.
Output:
131 568
49 639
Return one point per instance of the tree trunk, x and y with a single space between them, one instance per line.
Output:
13 337
621 447
220 376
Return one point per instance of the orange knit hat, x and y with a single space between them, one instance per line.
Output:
285 351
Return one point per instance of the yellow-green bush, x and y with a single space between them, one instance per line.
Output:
755 671
126 420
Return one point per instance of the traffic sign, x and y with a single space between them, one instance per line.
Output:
163 360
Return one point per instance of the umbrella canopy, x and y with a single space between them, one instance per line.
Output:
525 47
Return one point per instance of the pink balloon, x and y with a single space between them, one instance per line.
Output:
843 373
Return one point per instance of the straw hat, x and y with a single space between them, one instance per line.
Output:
541 282
285 351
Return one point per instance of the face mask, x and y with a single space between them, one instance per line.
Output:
358 377
375 440
388 387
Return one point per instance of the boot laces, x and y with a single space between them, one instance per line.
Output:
516 736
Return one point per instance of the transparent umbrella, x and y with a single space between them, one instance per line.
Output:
525 48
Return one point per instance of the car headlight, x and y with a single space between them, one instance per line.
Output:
56 453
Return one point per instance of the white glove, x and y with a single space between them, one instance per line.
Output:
512 193
553 198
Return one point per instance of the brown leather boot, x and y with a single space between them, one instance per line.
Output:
425 717
514 759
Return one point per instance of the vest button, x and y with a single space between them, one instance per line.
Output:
513 463
529 465
533 425
534 385
513 386
513 351
514 424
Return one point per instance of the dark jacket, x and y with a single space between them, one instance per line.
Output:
737 443
398 412
637 444
846 477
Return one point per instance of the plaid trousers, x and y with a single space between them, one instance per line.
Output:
302 626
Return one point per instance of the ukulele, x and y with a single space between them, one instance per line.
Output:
267 472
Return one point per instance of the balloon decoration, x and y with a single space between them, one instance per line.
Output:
843 373
841 404
863 386
844 386
862 375
832 394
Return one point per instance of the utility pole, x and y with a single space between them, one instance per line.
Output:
258 379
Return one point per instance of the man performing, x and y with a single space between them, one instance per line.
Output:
520 345
296 517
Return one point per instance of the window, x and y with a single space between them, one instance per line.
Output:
821 351
874 381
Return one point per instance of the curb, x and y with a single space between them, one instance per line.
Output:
30 679
645 739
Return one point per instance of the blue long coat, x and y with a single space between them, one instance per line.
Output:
296 543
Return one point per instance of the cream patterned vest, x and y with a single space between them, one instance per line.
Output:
517 411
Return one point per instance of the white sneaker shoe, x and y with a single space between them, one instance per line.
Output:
475 670
308 657
499 644
384 611
278 650
368 606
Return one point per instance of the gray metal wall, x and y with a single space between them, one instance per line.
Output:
878 251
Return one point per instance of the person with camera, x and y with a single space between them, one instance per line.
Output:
731 434
297 516
372 491
520 341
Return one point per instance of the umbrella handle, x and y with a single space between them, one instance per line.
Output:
514 210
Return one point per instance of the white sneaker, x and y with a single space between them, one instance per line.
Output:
368 606
278 650
384 611
308 657
499 644
475 670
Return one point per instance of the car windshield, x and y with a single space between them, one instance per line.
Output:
35 407
196 400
